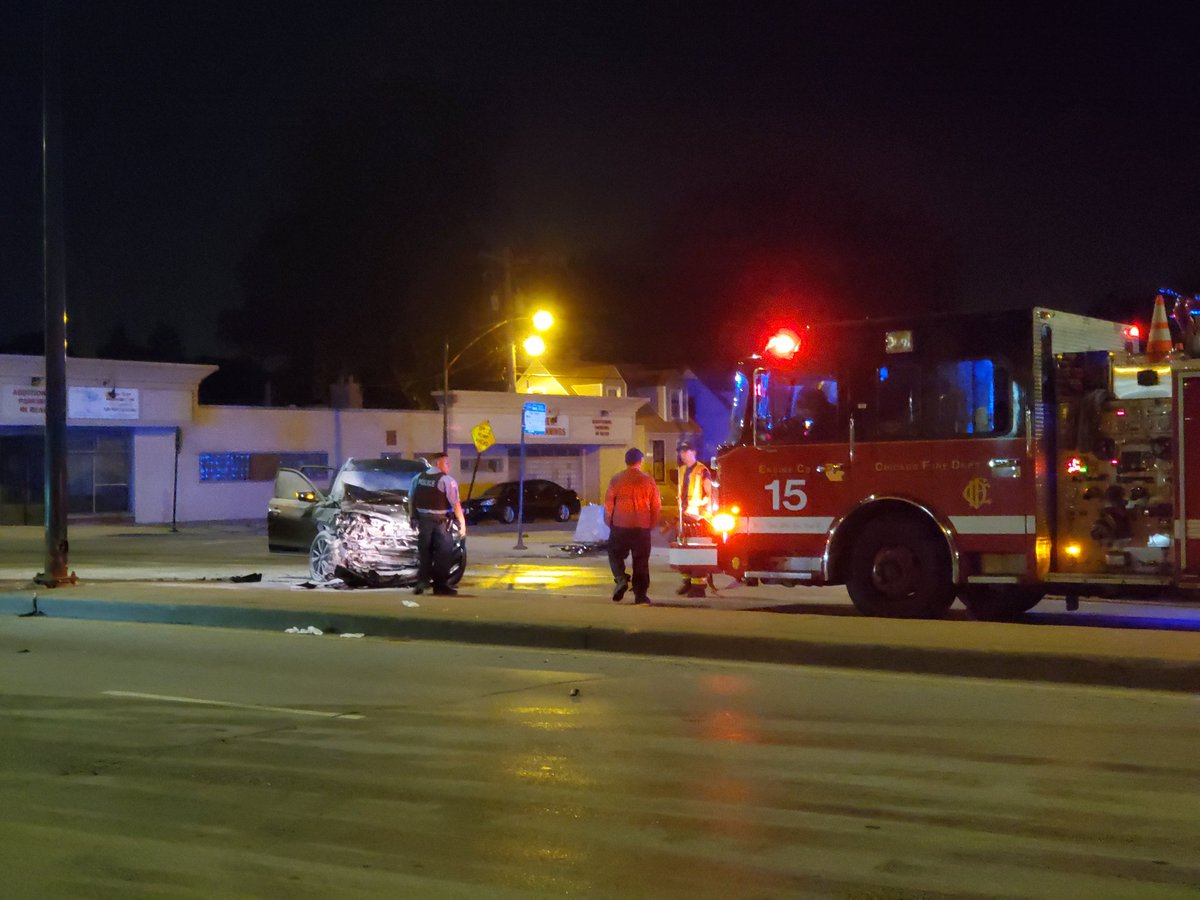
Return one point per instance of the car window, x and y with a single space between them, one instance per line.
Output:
372 476
289 483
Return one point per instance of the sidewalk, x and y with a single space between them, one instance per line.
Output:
540 597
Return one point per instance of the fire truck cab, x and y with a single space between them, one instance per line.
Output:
996 457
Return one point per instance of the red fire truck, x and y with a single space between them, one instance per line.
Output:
996 457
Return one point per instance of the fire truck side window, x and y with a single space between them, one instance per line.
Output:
960 398
973 397
796 409
898 401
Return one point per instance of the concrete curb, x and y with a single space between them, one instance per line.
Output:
1094 670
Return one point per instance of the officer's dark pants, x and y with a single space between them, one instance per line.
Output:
434 550
621 543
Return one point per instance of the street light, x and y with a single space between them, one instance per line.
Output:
533 345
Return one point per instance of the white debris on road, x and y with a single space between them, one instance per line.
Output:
311 629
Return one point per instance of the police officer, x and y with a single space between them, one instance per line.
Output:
695 502
435 502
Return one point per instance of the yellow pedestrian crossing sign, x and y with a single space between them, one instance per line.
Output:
482 435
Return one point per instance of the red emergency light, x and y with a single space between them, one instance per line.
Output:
783 344
1133 339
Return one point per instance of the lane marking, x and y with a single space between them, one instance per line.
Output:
279 709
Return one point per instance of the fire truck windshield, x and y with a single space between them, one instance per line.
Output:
784 407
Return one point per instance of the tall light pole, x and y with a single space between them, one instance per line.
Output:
55 287
542 320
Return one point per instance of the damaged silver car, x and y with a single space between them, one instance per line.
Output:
361 531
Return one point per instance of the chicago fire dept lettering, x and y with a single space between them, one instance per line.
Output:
976 493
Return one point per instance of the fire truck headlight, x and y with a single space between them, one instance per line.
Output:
723 522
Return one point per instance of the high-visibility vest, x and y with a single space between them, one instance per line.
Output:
698 501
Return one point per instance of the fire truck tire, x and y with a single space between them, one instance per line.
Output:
900 569
998 603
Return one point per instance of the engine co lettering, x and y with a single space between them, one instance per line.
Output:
789 469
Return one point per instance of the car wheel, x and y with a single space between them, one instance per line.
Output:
507 515
900 568
563 513
458 564
998 603
322 557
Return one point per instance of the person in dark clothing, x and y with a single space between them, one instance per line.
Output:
436 504
631 508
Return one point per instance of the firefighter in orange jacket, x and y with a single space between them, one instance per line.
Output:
695 500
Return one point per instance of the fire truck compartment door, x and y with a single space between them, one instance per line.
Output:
1189 472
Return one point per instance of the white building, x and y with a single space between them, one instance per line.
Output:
141 448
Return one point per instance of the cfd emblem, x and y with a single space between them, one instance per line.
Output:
976 493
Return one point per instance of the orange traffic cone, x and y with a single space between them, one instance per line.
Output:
1158 342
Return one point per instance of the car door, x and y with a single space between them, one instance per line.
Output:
290 522
540 501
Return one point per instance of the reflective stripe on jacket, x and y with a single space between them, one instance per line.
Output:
696 480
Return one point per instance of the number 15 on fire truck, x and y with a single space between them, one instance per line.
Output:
996 457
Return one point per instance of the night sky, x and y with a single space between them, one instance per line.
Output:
745 161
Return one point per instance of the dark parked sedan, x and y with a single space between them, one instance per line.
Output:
543 499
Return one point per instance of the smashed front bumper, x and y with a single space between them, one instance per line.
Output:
371 543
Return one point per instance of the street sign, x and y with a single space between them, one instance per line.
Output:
482 435
535 418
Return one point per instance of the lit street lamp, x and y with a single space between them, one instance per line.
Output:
534 345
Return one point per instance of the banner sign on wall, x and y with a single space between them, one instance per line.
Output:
29 403
102 403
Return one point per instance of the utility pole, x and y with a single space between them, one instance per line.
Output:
55 288
446 396
509 313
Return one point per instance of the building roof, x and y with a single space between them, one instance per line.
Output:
638 375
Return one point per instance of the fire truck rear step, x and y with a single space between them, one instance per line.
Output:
1091 578
779 576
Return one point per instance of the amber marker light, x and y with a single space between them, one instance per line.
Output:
543 319
534 345
723 522
1073 550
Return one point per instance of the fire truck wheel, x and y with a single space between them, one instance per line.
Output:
900 568
998 603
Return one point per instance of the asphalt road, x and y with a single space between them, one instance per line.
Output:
188 762
216 551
